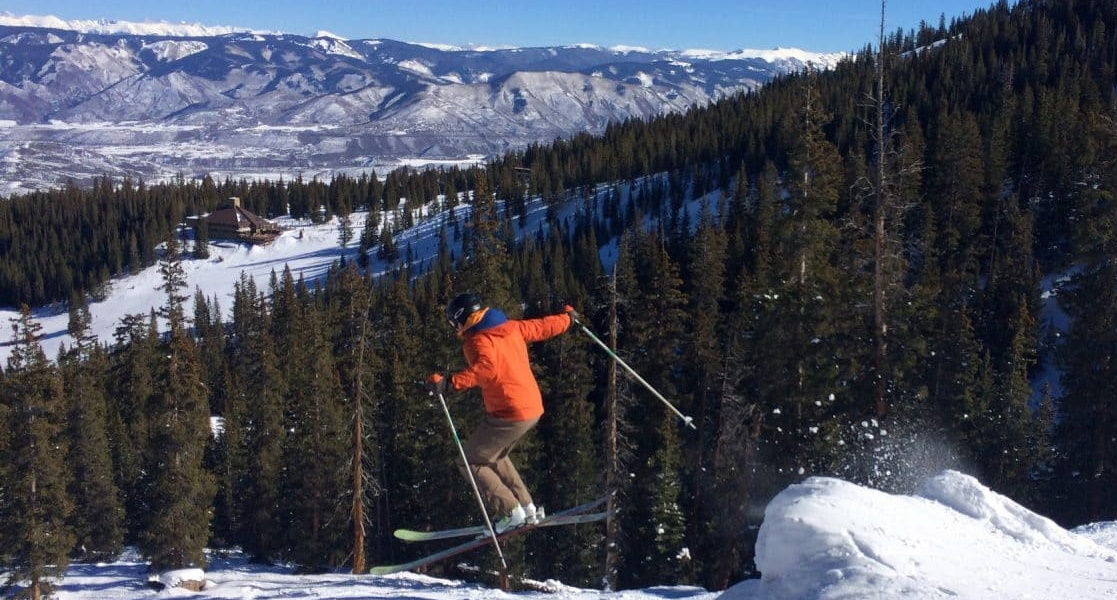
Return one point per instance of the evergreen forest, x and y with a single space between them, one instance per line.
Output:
861 295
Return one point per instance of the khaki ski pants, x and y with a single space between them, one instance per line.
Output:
486 451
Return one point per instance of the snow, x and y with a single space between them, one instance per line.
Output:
955 538
106 26
826 60
332 44
175 578
463 48
171 50
322 33
645 79
625 49
822 538
234 578
308 250
416 67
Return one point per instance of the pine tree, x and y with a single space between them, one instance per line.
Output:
201 239
344 230
210 333
181 491
227 461
484 268
421 475
706 277
369 236
1087 352
35 502
737 472
350 303
315 451
961 383
98 520
566 464
613 449
803 328
262 413
387 250
655 323
132 384
1009 454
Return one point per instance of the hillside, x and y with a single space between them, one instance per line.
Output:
835 279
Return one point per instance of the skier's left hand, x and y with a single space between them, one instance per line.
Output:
573 314
437 384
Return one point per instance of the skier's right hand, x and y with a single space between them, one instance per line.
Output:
437 384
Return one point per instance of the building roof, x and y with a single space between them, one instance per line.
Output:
238 218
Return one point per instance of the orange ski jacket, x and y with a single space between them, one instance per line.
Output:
495 348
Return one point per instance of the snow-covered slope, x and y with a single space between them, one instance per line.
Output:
307 249
821 539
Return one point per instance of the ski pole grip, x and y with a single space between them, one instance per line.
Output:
574 316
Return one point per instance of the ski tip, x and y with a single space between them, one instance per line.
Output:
384 570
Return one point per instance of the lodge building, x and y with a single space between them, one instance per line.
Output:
234 222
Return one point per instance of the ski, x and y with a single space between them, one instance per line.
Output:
411 535
484 541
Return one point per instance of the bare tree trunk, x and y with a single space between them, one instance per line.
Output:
612 466
358 483
359 565
880 326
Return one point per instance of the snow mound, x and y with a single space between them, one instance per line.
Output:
179 578
964 494
1105 533
827 538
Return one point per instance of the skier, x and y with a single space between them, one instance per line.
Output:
495 349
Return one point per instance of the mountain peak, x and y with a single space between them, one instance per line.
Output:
112 27
328 34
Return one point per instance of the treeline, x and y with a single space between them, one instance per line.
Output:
70 241
858 295
1026 85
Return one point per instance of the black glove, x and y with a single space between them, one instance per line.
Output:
573 314
437 384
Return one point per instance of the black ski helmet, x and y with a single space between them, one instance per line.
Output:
463 305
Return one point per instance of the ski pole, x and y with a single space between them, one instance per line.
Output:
687 420
472 481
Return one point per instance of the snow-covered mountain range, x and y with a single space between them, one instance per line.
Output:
79 99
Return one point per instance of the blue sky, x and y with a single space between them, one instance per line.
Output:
817 25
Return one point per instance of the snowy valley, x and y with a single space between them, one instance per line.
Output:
154 101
